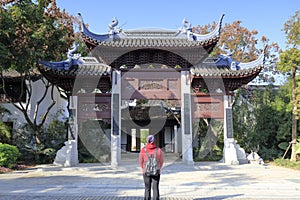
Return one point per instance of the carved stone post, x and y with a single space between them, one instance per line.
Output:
175 139
186 118
233 154
116 119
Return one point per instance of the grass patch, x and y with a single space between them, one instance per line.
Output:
286 163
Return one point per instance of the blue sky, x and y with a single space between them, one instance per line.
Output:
265 16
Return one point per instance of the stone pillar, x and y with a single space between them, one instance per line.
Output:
116 119
175 139
186 119
67 156
233 154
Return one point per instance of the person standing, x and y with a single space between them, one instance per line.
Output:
151 180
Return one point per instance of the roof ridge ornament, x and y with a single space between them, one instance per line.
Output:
112 27
234 65
186 28
225 49
72 52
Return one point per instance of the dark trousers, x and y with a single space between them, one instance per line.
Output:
154 181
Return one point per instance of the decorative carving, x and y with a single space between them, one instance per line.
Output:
113 24
228 56
186 28
88 107
186 25
112 27
151 85
172 84
212 107
228 52
73 50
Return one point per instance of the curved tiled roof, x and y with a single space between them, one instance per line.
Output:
221 66
215 71
138 47
152 33
65 79
230 79
150 38
259 61
112 46
152 42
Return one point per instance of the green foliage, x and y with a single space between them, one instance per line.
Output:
287 163
243 120
283 145
52 139
8 155
290 63
5 135
289 59
93 144
56 133
292 30
33 31
216 155
243 42
297 146
257 114
209 135
270 154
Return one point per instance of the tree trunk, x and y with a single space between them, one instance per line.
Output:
38 136
294 119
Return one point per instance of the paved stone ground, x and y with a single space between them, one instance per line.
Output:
204 180
87 198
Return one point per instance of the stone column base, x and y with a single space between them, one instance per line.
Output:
67 156
233 154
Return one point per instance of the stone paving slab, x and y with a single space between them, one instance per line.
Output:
85 198
205 180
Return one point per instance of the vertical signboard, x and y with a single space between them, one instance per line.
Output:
229 123
187 113
116 120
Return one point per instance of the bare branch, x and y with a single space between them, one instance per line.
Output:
29 92
37 106
49 108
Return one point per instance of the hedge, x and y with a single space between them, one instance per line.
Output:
8 155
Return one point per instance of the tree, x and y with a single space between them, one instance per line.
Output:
32 31
290 63
256 115
244 45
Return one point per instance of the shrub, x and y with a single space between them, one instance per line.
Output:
8 155
93 145
5 135
52 138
